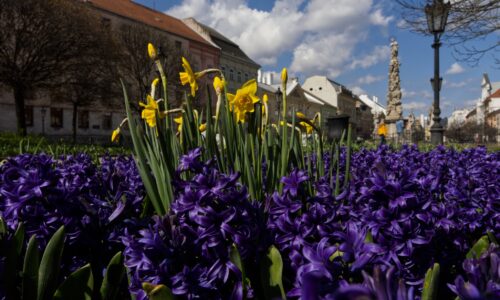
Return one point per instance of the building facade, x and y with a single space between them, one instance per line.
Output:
298 100
47 114
345 101
237 67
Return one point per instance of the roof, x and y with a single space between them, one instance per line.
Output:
267 87
471 113
314 99
147 16
225 43
494 112
496 94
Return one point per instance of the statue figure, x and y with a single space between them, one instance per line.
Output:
394 95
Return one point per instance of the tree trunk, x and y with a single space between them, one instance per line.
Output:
75 116
20 112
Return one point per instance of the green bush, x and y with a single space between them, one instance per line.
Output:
11 144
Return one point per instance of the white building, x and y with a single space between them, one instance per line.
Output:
458 117
298 99
373 103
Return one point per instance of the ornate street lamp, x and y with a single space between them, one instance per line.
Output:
437 15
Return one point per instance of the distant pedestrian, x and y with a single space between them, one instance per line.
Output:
382 131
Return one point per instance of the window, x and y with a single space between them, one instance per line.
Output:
107 122
178 45
106 23
246 77
224 71
83 119
231 74
239 76
56 117
28 115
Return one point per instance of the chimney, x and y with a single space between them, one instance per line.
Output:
270 78
295 79
259 76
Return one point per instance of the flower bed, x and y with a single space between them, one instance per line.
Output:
401 213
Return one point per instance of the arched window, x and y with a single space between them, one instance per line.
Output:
231 74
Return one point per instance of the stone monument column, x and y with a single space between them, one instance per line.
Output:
394 107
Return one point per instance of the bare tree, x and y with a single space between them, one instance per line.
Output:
469 21
136 67
42 42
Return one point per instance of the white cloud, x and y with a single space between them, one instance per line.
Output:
358 90
380 53
377 18
471 102
414 105
419 95
455 68
369 79
401 24
320 34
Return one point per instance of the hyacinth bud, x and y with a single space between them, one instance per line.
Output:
152 51
155 82
284 76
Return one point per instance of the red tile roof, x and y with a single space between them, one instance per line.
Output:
494 95
145 15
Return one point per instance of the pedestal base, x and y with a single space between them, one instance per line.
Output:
437 134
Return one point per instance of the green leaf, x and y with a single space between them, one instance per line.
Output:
11 263
30 270
49 266
272 272
479 248
78 286
3 228
157 292
431 282
368 237
235 258
115 273
492 238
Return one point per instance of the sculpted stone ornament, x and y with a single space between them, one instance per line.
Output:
394 95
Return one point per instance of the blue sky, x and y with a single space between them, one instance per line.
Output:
346 40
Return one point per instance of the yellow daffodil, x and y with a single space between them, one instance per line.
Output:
244 100
178 121
149 111
306 123
152 52
203 127
188 76
219 85
116 135
300 115
309 128
284 76
265 99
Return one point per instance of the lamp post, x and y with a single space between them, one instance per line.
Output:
437 15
